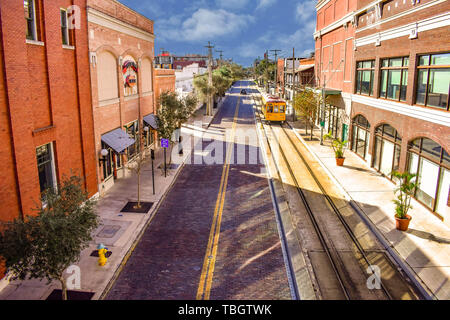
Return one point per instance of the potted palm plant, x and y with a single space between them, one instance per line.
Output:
404 193
338 147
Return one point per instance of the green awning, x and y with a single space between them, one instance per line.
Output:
331 92
327 91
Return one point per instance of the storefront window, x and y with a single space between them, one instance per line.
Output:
108 164
387 150
431 163
133 131
360 136
433 81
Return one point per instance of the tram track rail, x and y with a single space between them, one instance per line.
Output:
332 253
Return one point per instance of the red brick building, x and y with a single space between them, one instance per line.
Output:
400 102
46 121
334 37
164 81
121 45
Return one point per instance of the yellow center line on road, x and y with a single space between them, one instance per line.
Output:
206 276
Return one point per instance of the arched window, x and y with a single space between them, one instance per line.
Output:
360 135
130 79
431 163
107 76
387 149
146 75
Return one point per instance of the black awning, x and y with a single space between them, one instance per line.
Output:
118 139
152 121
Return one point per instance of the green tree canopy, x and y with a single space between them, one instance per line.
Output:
172 112
307 105
44 245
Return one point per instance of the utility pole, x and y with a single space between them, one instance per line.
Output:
276 67
210 82
220 51
293 84
266 59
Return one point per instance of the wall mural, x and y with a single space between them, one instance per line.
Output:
129 71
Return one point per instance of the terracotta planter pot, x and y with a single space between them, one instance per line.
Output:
340 161
402 224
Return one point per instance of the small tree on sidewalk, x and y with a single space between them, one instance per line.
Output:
203 89
172 113
137 165
307 105
45 245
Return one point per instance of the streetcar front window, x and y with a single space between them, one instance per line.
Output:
275 109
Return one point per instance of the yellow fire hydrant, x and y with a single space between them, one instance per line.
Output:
101 254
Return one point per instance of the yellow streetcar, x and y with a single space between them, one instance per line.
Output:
274 108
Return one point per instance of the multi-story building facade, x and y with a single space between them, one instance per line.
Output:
400 102
184 84
164 81
334 46
46 117
164 60
121 45
387 64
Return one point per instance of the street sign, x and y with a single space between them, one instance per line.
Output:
322 124
165 143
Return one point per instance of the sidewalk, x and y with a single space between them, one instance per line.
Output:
117 231
425 247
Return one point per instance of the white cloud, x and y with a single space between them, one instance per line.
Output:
265 3
204 24
306 11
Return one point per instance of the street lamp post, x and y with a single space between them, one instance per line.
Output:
152 155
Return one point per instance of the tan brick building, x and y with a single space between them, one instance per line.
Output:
121 45
46 121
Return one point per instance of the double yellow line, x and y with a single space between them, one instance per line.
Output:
209 261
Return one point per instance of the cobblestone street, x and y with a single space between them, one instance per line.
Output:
167 263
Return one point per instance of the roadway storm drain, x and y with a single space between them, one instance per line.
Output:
108 232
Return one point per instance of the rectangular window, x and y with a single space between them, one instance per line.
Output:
433 81
108 164
30 18
428 175
133 131
44 156
365 77
64 28
394 78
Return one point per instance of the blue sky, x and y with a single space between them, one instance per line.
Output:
243 29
